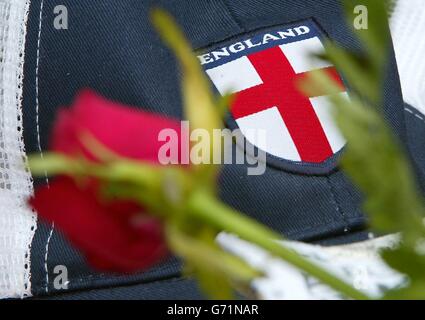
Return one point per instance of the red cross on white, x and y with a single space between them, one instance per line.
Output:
297 127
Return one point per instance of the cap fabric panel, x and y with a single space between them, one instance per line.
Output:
112 48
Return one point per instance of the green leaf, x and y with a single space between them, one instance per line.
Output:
357 71
391 5
216 270
407 261
376 38
199 103
223 103
411 263
376 162
374 157
365 70
53 163
212 284
415 291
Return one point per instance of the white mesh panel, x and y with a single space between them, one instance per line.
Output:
408 32
17 223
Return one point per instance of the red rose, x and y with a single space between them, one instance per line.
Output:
114 235
127 131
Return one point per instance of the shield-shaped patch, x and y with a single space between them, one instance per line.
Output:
262 69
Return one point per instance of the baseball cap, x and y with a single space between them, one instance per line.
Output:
250 47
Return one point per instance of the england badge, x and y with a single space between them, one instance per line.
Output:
262 69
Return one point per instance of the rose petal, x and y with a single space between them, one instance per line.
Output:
125 130
107 238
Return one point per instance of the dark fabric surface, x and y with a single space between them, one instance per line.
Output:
111 47
415 124
165 289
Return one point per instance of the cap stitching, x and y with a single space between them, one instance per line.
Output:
416 114
37 105
336 203
233 16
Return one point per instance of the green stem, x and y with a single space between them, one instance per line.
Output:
210 256
207 208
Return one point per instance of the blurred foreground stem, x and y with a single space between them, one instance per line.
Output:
205 207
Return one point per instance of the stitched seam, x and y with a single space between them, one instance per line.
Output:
233 15
350 192
99 277
37 104
414 113
166 280
102 276
47 255
336 202
96 277
37 107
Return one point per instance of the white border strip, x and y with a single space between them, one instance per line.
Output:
408 28
17 221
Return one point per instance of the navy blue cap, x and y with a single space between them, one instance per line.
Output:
110 46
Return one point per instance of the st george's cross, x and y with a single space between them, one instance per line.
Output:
262 70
